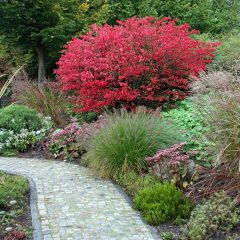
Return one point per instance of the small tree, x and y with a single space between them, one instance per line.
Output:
138 62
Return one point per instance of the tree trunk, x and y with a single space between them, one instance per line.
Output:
41 64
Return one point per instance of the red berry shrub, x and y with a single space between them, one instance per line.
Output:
137 62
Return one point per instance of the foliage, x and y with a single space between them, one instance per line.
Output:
218 94
7 83
137 62
162 203
5 67
173 165
16 117
47 25
13 207
217 214
187 117
215 16
15 234
70 142
12 188
43 98
213 180
11 142
132 182
81 117
167 236
228 53
18 22
63 143
21 127
126 139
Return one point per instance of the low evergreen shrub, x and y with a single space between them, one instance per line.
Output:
162 203
16 117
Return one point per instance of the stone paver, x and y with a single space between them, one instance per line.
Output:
72 204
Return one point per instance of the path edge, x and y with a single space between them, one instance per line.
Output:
36 223
130 202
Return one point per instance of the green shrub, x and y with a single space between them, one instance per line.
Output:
87 117
12 188
20 128
126 139
187 118
16 117
162 203
218 213
133 182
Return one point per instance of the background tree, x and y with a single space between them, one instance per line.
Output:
213 16
43 27
21 25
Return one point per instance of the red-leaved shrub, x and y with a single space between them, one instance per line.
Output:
137 62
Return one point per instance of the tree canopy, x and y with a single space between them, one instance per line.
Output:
31 30
45 26
213 16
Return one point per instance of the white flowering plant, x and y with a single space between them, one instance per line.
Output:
12 142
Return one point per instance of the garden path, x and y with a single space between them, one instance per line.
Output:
69 203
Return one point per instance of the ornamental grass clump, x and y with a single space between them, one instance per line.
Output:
218 94
126 139
44 98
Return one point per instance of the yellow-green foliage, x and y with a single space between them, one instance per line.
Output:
162 202
133 182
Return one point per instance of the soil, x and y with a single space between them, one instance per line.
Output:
21 224
39 153
35 152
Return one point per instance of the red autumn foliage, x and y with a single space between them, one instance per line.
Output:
137 62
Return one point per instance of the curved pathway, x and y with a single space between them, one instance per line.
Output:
69 203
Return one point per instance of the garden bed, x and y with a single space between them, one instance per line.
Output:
15 216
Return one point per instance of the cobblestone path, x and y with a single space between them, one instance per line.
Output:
69 203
